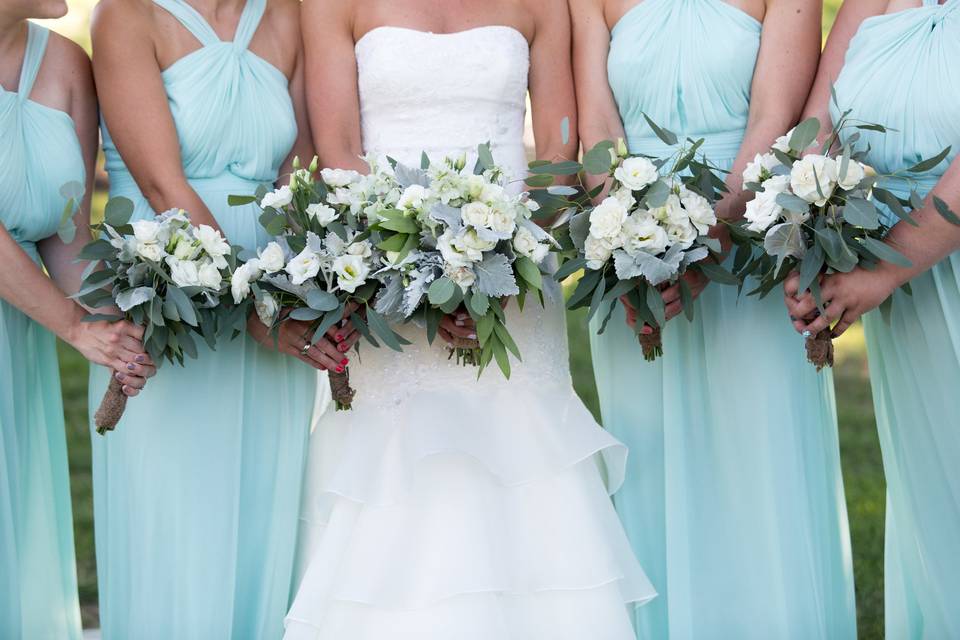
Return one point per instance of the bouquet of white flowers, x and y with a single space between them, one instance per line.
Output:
816 213
649 230
163 274
319 268
456 238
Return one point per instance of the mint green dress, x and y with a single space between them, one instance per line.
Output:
197 492
733 499
901 70
38 575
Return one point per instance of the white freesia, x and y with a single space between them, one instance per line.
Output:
339 177
644 235
272 258
242 277
352 272
813 175
278 198
209 275
607 218
762 211
636 173
267 309
852 178
699 211
322 213
214 244
760 167
597 251
304 266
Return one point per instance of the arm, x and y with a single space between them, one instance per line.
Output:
303 147
552 95
332 96
134 104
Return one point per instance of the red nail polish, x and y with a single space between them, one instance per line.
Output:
338 338
339 369
343 348
345 361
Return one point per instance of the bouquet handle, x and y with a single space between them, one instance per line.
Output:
111 407
341 390
820 349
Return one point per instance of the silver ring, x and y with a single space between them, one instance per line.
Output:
306 349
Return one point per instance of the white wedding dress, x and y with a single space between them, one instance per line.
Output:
445 507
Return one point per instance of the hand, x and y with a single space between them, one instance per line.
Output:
632 316
294 340
696 282
457 327
845 296
118 346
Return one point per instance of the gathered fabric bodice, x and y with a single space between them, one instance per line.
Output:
688 65
232 109
901 71
41 154
414 97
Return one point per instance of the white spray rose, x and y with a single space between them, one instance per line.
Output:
304 266
762 211
525 244
625 197
214 244
476 214
597 251
242 277
607 218
267 309
699 211
362 249
413 197
472 245
760 168
810 171
503 220
450 252
146 231
776 184
352 272
184 273
210 276
644 235
277 199
683 234
855 173
271 258
783 142
322 213
339 177
464 277
636 173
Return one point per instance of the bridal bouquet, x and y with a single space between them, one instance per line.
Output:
163 274
816 213
457 239
649 230
319 268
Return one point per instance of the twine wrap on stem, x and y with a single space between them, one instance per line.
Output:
820 349
111 407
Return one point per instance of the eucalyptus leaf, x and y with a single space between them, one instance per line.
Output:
598 160
441 290
668 137
861 213
118 211
885 252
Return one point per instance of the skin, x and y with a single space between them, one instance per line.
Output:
332 94
786 64
64 82
849 295
133 42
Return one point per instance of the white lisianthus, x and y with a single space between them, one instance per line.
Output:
491 193
644 235
214 244
811 171
699 211
636 173
352 272
304 266
450 252
277 199
762 211
683 234
472 245
672 212
322 213
476 214
209 275
267 309
760 168
362 249
462 276
150 251
607 218
413 197
625 197
851 180
146 230
271 258
339 177
597 251
776 184
242 277
184 273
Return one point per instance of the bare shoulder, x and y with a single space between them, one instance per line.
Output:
333 12
118 17
68 65
550 15
283 16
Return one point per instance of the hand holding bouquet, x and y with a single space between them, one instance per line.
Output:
163 274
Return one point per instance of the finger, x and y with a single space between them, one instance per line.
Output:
671 294
625 301
139 370
327 355
467 331
791 285
135 331
130 380
339 333
129 391
805 307
674 309
347 344
445 335
831 313
846 320
313 364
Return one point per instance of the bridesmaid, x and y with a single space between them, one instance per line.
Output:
196 494
894 62
48 124
734 501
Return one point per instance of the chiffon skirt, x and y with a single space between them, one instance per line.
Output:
197 492
733 486
914 352
38 577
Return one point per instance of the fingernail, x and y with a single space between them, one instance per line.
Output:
339 369
807 334
458 322
140 359
345 361
343 348
130 367
472 336
338 338
119 376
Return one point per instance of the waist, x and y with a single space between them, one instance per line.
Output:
122 183
717 146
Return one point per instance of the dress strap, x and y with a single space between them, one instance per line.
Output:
37 38
932 3
249 23
191 19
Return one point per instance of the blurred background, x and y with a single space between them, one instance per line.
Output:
862 470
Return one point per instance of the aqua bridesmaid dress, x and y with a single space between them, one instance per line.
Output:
197 492
901 71
734 499
38 575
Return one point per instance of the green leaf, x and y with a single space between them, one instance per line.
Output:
597 298
485 157
928 164
479 304
424 161
98 250
485 327
529 271
565 130
361 326
655 303
504 336
321 300
717 273
565 168
584 288
380 327
686 297
597 161
569 268
118 211
539 181
305 314
184 306
894 204
944 210
804 134
885 252
400 225
503 360
441 290
810 267
861 213
668 137
239 201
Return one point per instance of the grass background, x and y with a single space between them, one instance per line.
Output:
863 474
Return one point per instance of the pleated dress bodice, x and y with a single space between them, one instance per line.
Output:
699 89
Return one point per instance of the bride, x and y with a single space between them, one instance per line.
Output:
446 507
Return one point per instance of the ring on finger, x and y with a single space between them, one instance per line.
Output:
306 349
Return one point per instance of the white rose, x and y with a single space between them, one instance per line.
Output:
271 258
277 199
241 279
776 184
339 177
184 273
636 173
150 251
491 192
762 211
352 272
413 197
672 212
267 309
783 142
810 171
503 221
322 213
214 244
451 253
209 275
146 231
700 212
760 168
644 235
607 218
597 251
476 214
855 173
472 245
524 243
304 266
464 277
362 249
